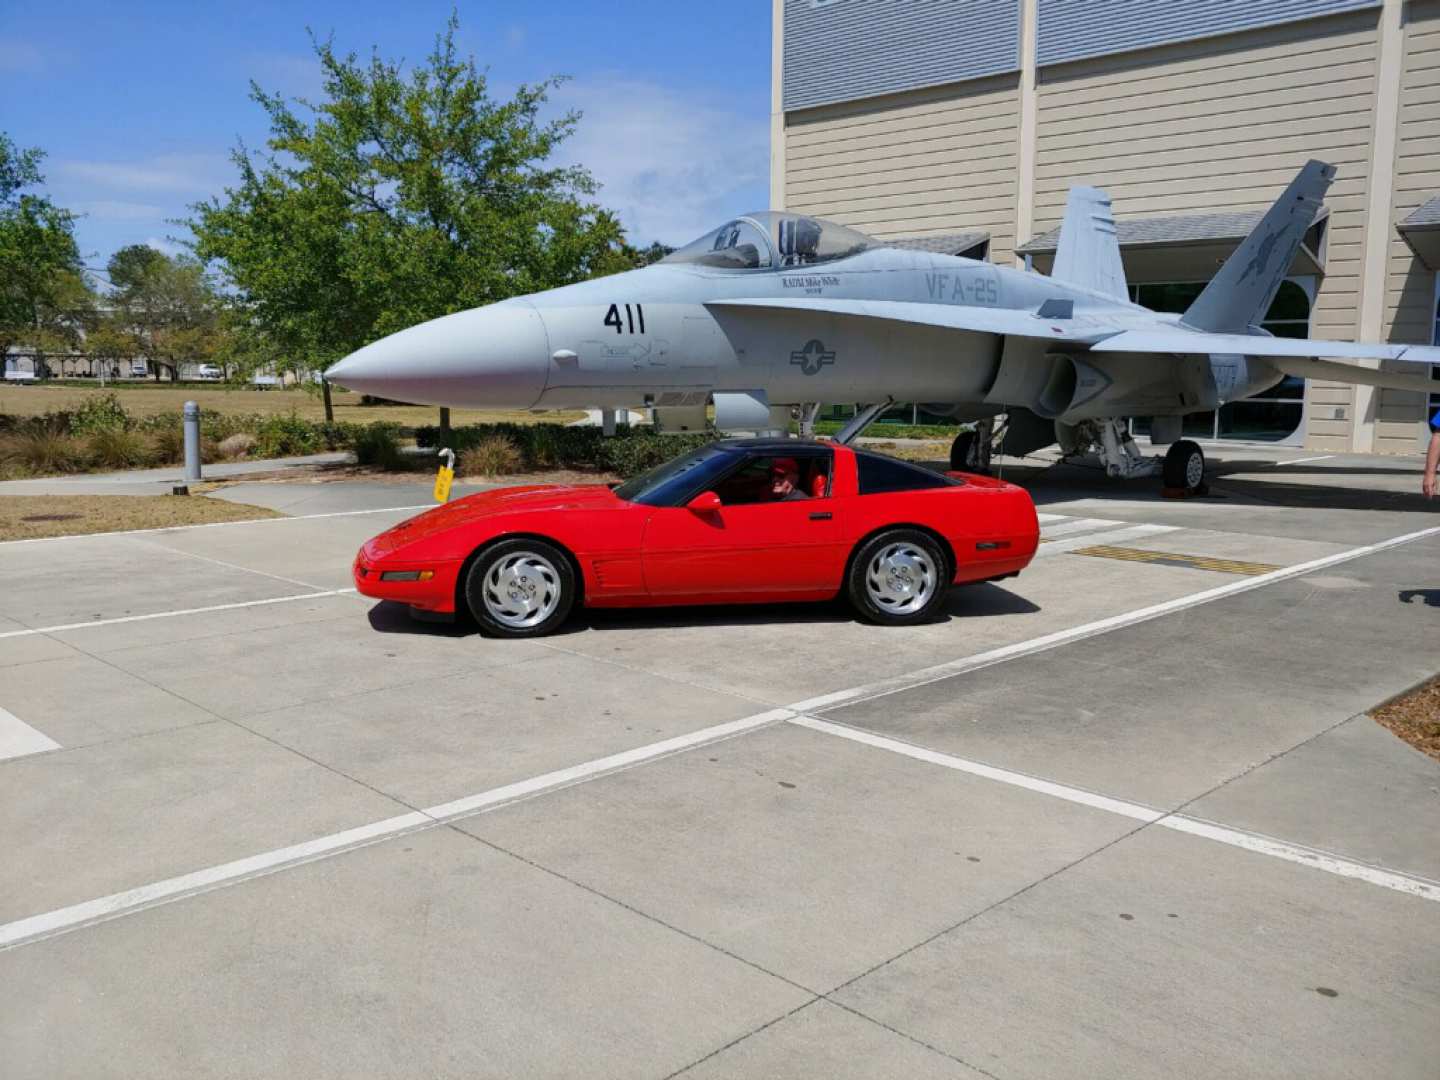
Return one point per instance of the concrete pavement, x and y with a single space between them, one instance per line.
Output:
1100 821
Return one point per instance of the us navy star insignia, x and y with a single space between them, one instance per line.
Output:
813 357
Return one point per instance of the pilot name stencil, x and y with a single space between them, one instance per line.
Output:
811 283
813 357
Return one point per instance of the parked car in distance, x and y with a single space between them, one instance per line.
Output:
139 369
209 372
735 521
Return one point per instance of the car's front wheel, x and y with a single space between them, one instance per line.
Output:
520 588
898 577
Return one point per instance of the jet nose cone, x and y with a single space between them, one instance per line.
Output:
494 356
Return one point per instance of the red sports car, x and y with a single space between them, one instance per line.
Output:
736 521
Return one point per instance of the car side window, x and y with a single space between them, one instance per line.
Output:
773 478
879 475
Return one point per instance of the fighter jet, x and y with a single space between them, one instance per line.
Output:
778 310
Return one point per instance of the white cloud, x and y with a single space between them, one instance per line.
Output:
189 173
119 210
671 163
168 247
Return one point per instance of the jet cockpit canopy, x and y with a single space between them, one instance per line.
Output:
772 239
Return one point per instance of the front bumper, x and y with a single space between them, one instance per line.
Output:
437 594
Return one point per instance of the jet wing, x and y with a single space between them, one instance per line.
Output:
1198 341
1293 356
983 320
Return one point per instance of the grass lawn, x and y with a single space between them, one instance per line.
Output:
151 400
29 517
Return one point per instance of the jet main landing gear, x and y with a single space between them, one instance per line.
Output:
1109 441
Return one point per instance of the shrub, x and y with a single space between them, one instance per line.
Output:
101 413
118 448
379 445
44 450
287 436
168 445
238 445
495 455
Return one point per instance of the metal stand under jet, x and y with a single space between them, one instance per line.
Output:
774 311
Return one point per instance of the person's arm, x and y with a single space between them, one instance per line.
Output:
1432 462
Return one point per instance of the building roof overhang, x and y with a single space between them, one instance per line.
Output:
972 245
1188 247
1421 230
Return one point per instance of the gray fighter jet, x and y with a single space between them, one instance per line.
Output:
777 310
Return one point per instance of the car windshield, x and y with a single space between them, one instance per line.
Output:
677 479
771 238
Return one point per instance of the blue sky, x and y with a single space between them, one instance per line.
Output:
138 105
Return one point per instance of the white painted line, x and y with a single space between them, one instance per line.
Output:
17 738
1302 460
48 924
230 565
989 772
895 684
173 614
474 804
1264 845
1076 525
1047 518
217 524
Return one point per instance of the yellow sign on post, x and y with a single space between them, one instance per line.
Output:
445 477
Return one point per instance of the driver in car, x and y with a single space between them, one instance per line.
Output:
785 480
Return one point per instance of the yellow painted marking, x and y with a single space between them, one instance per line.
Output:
1170 558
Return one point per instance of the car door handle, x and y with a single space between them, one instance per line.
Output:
825 516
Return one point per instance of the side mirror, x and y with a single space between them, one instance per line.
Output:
707 502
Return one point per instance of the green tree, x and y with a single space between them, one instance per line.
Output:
164 308
43 292
397 198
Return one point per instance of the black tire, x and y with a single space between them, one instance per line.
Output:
544 582
960 452
1185 466
868 601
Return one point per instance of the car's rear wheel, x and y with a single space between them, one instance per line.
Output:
898 577
520 588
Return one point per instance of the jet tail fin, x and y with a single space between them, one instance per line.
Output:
1088 254
1241 292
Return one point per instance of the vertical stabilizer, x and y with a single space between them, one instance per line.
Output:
1088 254
1240 294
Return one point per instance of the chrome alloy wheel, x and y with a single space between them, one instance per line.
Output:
521 589
901 578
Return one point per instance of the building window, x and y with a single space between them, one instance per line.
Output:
1269 416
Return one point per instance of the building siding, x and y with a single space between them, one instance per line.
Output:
846 50
1226 125
936 161
1080 29
1409 284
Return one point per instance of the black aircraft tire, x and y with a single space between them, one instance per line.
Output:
960 450
543 580
1184 466
909 551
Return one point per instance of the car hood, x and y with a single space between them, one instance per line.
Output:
488 504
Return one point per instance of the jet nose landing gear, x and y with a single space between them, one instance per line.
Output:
970 452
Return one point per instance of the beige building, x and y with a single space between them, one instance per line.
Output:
965 121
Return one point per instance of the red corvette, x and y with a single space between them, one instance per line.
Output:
737 521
